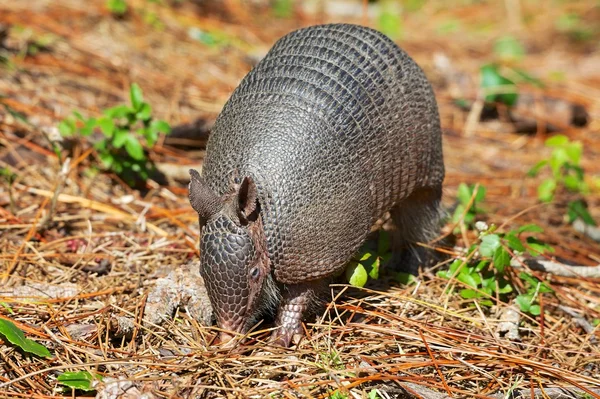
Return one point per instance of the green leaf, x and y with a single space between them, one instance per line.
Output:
468 279
458 212
530 228
481 265
356 275
365 256
524 301
536 247
464 194
160 126
556 141
509 48
107 126
458 263
480 196
489 244
504 287
526 77
78 380
283 8
407 278
496 86
88 127
11 333
120 111
546 190
559 158
535 309
514 242
66 128
117 7
390 24
529 279
536 168
574 151
137 99
572 183
383 242
120 137
501 259
134 148
107 159
374 269
544 288
578 209
145 112
469 294
373 394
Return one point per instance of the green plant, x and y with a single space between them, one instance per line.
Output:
484 268
117 7
366 264
283 8
11 333
124 128
566 172
572 25
470 209
499 79
374 394
390 21
81 380
338 395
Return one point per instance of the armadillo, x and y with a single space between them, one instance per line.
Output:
332 129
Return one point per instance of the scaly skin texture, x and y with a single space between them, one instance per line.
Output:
334 127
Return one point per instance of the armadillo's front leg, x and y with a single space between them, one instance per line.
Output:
296 302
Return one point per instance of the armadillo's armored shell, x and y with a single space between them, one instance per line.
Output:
336 125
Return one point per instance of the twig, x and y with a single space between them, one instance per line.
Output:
557 269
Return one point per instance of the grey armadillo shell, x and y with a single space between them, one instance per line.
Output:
336 125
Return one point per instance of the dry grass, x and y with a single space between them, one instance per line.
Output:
100 249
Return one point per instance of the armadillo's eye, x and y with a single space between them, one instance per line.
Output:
254 273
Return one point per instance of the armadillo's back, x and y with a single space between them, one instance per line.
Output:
336 125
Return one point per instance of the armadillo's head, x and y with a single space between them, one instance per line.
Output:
233 257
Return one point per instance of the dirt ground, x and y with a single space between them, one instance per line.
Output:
82 253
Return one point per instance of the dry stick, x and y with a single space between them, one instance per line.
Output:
435 363
592 232
62 179
30 234
94 205
557 269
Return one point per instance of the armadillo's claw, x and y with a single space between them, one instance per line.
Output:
281 337
285 337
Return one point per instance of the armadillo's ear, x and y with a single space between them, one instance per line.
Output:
204 200
248 205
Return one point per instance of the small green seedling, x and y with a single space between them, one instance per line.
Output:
465 207
368 261
484 267
118 8
390 20
566 172
338 395
11 333
283 8
528 302
499 79
81 380
125 129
